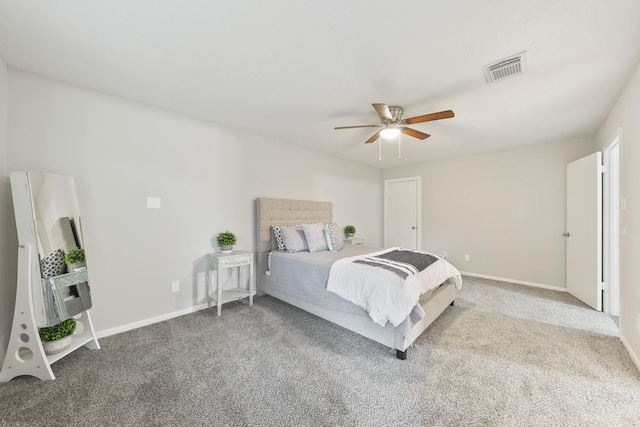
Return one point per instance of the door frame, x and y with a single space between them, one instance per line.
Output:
418 181
611 225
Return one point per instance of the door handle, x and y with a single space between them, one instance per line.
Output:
413 228
566 234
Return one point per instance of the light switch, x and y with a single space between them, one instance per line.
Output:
154 202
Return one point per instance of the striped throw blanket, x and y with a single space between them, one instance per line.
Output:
389 283
402 262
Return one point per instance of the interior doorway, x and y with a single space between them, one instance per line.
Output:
611 227
402 214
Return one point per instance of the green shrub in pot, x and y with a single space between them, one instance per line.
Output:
75 256
59 331
226 240
57 338
349 230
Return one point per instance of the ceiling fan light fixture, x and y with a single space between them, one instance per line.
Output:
389 133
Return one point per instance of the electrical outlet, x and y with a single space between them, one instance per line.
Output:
175 287
444 255
467 257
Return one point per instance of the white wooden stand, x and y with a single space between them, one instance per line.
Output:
221 261
25 355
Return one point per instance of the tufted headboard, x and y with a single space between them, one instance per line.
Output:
283 212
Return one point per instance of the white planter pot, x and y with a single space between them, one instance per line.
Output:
76 267
53 347
226 249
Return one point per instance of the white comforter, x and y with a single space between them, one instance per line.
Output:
382 293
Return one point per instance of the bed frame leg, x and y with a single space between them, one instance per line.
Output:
452 303
402 355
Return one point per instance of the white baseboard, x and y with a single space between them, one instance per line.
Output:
517 282
150 321
634 356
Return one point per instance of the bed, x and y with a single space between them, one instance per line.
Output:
300 279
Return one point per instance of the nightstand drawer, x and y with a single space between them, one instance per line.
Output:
233 261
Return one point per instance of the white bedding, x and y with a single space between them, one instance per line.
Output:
383 294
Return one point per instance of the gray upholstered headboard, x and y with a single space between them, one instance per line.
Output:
283 212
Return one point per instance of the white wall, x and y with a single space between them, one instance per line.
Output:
7 242
505 209
625 114
120 152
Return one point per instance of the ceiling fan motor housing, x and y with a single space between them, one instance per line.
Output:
396 113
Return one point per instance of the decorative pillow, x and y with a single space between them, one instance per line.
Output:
277 234
328 239
53 264
335 238
314 233
293 239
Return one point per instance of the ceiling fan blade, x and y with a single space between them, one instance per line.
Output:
383 111
415 133
373 137
357 126
430 117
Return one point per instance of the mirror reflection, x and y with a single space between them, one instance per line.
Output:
65 282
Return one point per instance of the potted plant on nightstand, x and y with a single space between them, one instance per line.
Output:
75 259
226 240
349 231
57 337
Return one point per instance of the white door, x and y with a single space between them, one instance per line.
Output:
584 230
402 213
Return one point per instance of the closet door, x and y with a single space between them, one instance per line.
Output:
402 213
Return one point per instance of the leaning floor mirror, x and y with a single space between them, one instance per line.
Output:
53 279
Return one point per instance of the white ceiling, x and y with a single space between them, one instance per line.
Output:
291 70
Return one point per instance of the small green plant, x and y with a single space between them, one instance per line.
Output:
74 256
226 239
349 229
59 331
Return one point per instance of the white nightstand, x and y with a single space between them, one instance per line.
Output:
220 261
353 241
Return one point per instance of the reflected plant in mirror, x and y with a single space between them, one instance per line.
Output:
75 259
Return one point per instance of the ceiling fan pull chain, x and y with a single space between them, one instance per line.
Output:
380 148
399 146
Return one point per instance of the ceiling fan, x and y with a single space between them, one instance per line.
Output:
392 123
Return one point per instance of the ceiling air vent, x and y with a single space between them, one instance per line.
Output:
505 68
